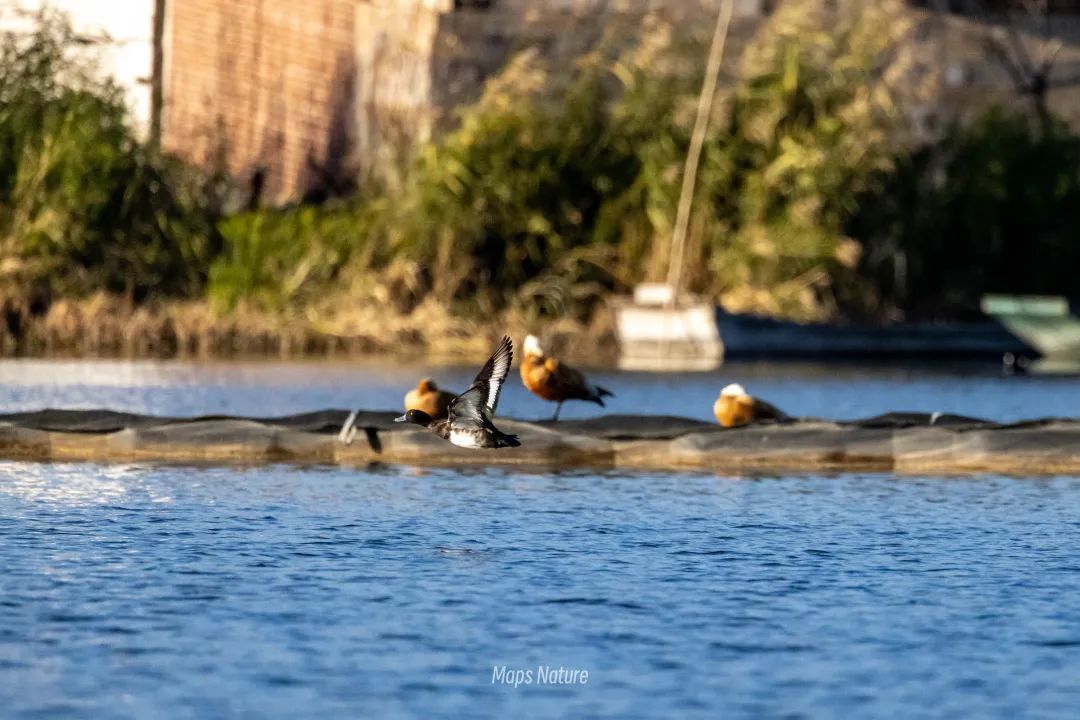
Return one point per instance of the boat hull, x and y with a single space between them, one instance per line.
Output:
702 335
755 336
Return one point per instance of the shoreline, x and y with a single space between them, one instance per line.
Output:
107 327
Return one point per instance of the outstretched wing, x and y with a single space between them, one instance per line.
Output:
492 376
478 403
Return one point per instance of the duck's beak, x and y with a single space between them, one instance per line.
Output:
403 418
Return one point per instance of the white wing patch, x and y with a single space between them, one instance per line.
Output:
465 438
498 376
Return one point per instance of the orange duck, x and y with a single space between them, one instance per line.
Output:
429 399
555 381
737 407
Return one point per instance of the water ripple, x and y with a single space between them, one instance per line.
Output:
391 593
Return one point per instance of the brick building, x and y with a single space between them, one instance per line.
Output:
267 87
298 97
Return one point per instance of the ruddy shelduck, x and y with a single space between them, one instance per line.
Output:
556 381
428 399
737 407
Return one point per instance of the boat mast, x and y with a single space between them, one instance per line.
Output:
693 156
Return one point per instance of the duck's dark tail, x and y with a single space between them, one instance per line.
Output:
506 440
599 393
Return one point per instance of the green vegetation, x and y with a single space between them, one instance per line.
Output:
509 202
83 204
990 207
274 260
559 186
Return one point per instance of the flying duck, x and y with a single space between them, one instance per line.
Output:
469 416
737 407
555 381
428 398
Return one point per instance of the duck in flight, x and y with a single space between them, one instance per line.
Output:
469 417
552 380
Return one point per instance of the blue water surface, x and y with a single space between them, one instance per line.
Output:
157 591
278 388
188 592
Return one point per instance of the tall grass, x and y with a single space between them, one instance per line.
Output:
560 182
84 204
559 186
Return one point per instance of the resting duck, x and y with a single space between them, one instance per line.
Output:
555 381
469 416
737 407
428 398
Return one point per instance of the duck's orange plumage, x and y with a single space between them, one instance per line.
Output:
428 398
736 407
556 381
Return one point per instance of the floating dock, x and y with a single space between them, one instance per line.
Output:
1050 325
898 442
656 332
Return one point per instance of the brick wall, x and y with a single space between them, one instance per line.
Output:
264 86
308 94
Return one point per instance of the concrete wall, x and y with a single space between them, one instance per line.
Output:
394 44
953 48
124 29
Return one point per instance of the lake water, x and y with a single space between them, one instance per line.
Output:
201 592
266 388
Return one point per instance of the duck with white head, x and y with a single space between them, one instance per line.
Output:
735 407
555 381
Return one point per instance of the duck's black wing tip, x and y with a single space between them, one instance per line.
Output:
498 362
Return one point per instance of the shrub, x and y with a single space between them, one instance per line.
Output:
569 177
991 207
83 203
274 259
516 188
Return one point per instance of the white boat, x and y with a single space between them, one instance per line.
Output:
1048 324
655 333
